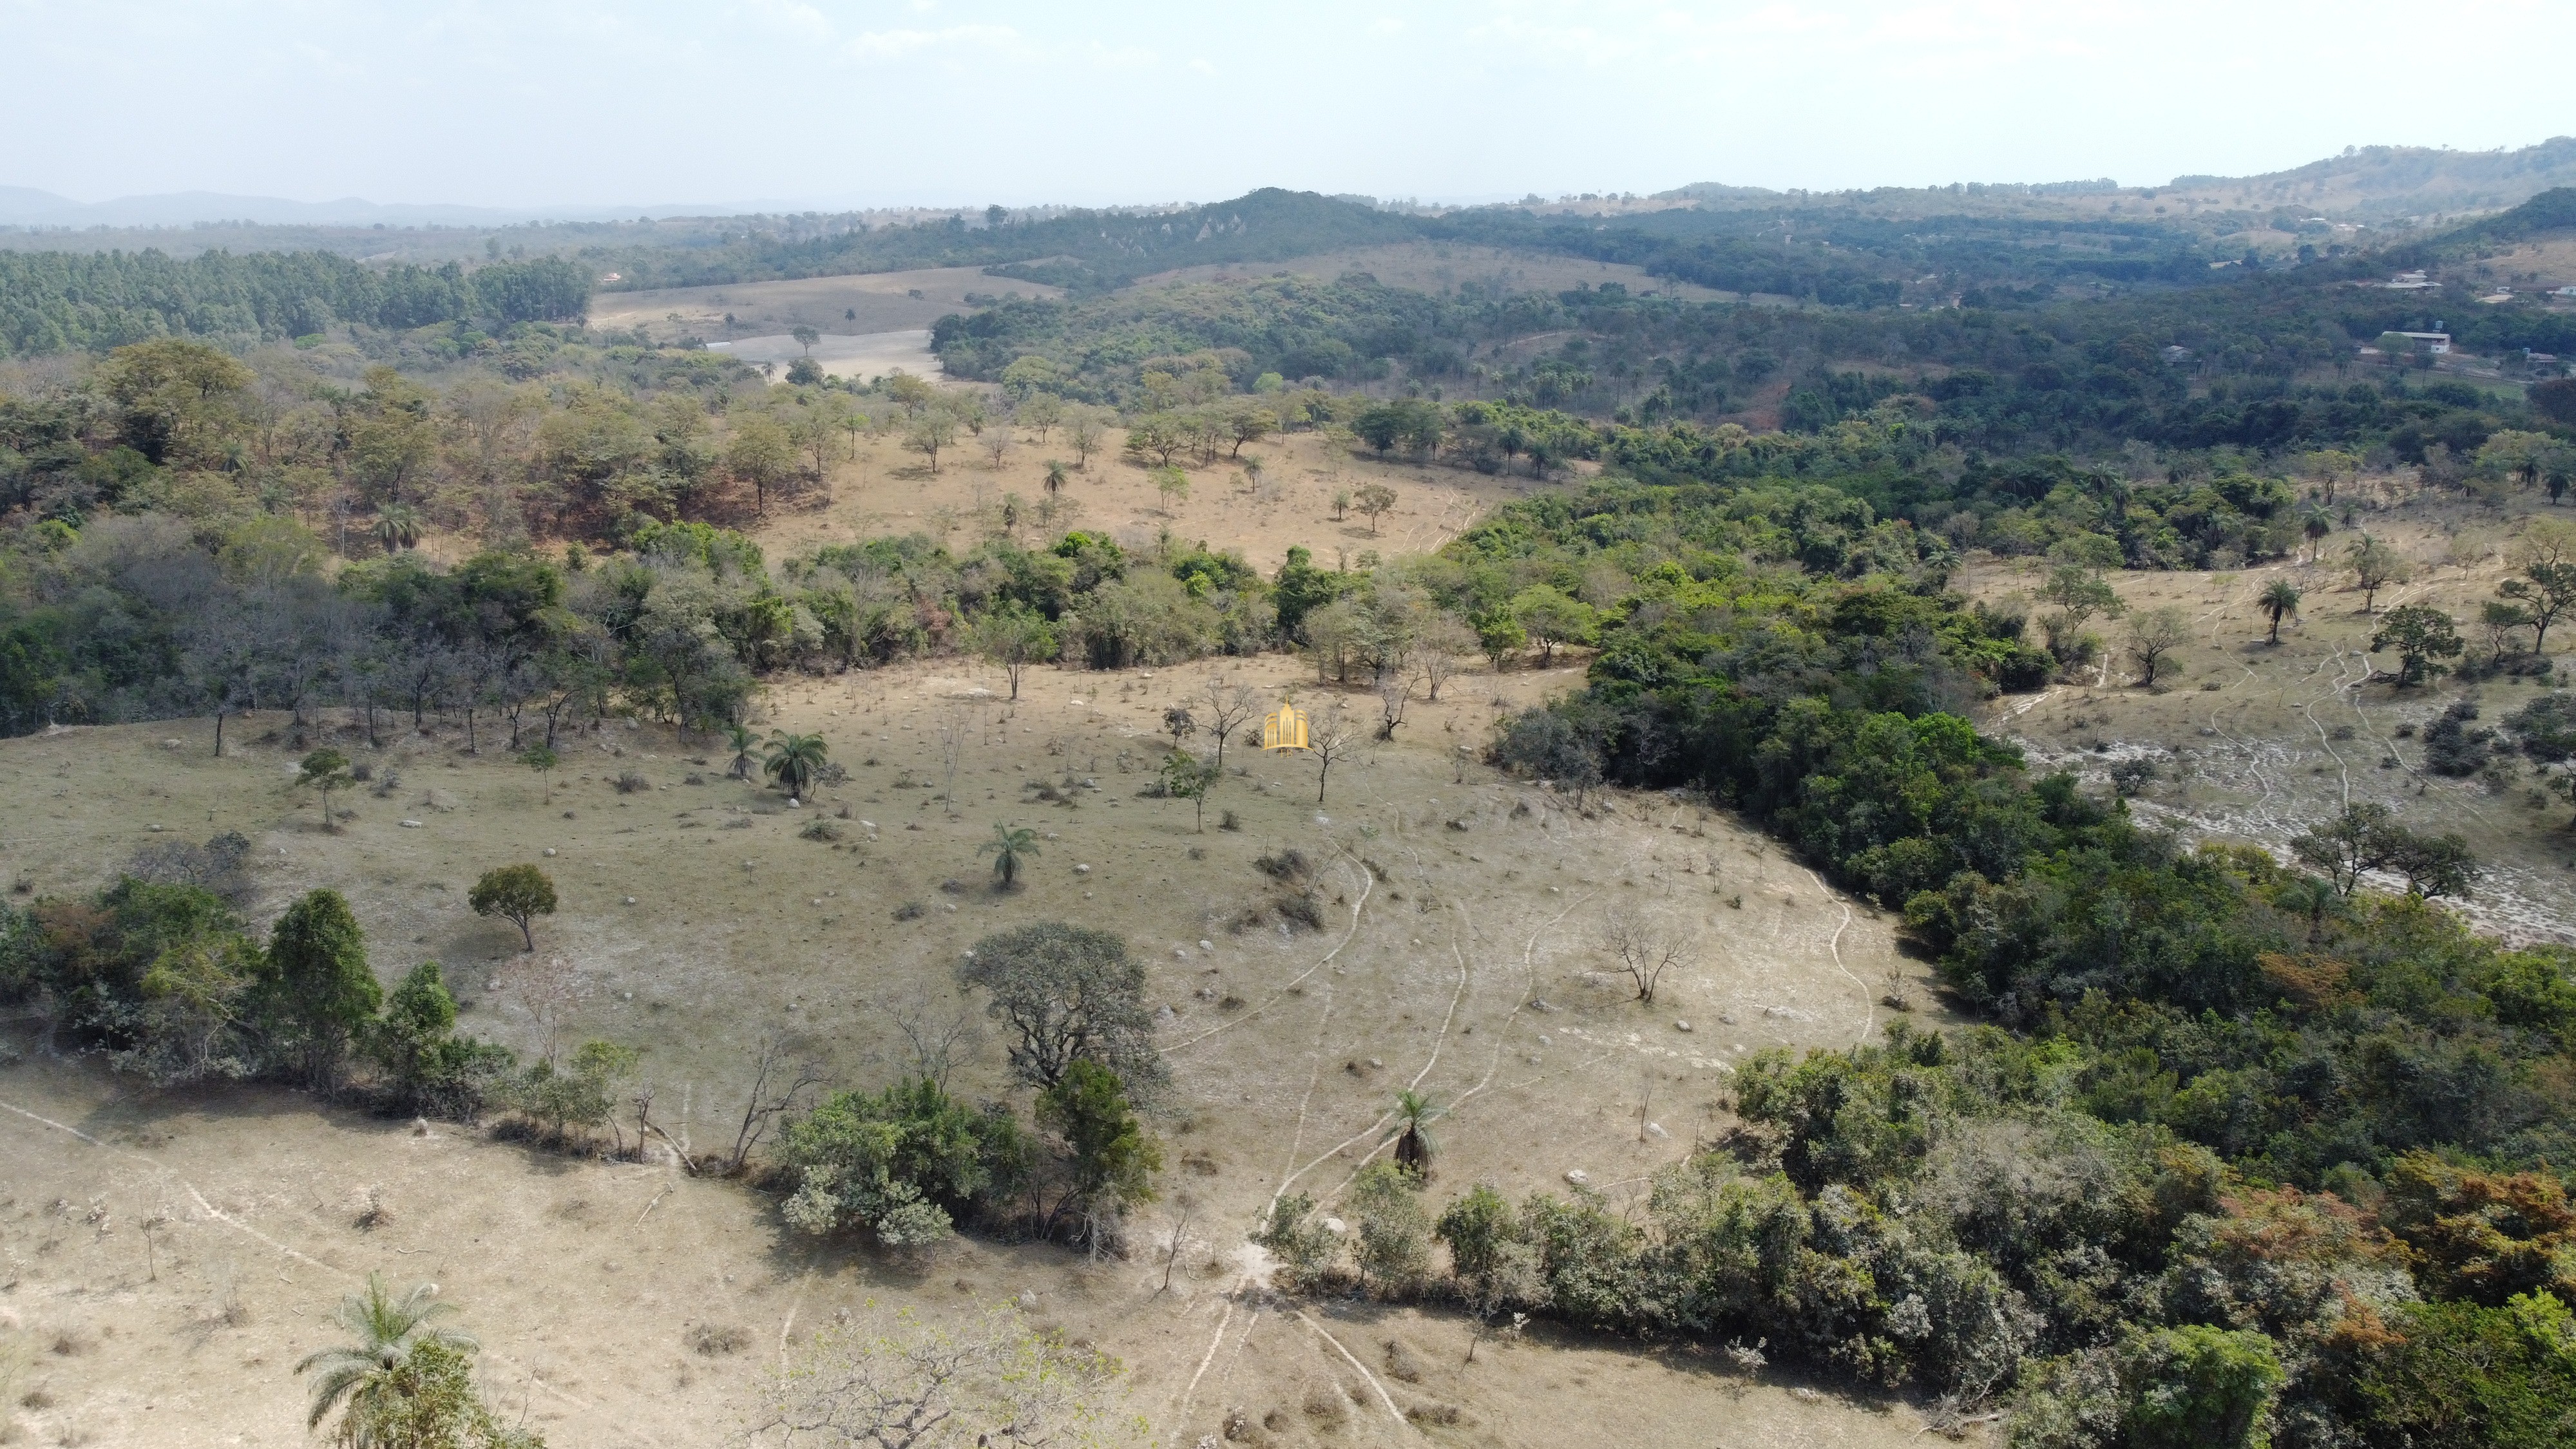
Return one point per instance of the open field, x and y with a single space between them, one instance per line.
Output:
1460 951
881 302
866 356
879 489
2258 743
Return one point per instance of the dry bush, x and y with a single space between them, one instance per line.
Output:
1288 867
715 1340
1402 1363
1327 1405
632 782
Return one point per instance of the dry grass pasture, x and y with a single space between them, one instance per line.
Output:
1461 951
878 488
2257 743
883 302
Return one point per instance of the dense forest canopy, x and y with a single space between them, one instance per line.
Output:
64 301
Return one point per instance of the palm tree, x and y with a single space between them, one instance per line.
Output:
397 527
1008 845
744 739
2319 524
2312 897
387 1330
794 761
1055 477
1413 1113
2278 597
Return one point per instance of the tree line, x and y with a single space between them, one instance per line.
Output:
84 301
2211 1176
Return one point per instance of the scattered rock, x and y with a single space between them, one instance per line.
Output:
406 824
630 900
1207 946
1577 1176
550 850
1681 1026
1082 870
1656 1129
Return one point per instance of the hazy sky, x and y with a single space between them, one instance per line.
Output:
544 102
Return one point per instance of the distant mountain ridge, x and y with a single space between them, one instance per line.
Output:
27 206
2364 183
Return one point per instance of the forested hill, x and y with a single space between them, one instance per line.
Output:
1084 250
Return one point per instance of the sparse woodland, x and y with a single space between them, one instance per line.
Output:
2243 1151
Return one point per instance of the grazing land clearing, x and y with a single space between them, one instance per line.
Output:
1461 950
877 488
883 302
2257 742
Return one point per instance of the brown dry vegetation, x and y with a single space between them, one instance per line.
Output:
1461 951
2258 743
882 489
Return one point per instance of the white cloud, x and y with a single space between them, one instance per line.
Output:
896 44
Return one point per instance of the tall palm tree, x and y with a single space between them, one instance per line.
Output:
794 760
397 527
1055 477
1008 845
2319 523
387 1329
743 739
2278 598
2312 897
1413 1146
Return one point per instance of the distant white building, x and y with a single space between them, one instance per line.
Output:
2564 292
2436 343
2408 282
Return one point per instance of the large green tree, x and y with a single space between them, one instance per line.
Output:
320 990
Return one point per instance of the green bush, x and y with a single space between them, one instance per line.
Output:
905 1166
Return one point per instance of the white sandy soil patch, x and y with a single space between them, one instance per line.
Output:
866 357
